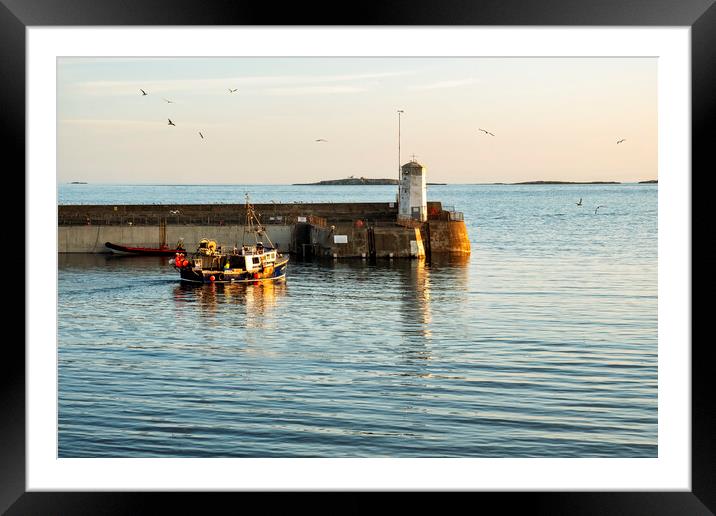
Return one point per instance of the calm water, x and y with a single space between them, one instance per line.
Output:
542 344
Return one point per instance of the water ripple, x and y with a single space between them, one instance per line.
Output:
542 344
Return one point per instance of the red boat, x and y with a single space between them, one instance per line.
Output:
163 250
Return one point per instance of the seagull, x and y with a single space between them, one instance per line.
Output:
232 90
580 202
623 139
169 101
202 136
487 132
321 140
170 122
143 92
595 211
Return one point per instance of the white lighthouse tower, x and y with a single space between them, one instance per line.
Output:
413 202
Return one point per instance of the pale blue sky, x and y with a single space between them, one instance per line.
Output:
553 119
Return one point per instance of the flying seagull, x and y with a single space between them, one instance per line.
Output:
321 140
595 211
487 132
580 202
623 139
170 122
232 90
169 101
143 92
202 136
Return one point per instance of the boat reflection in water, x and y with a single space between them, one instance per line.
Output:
256 301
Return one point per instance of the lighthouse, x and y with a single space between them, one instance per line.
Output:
413 202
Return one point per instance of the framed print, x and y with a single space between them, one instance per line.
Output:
546 152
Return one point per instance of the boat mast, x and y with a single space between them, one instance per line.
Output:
250 218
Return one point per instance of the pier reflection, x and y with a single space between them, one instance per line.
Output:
427 295
432 292
430 287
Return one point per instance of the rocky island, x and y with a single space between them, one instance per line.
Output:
354 181
566 183
357 181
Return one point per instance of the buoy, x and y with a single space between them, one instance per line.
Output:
185 263
256 275
211 278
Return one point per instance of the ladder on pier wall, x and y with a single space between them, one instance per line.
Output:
162 231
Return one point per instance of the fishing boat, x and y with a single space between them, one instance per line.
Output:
248 263
162 250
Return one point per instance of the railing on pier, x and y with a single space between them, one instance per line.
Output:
446 213
182 220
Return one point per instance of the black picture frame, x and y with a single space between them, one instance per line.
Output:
699 15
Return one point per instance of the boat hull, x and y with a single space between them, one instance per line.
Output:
142 251
193 275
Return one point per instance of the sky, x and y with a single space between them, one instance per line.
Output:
552 119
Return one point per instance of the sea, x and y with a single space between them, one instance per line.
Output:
541 343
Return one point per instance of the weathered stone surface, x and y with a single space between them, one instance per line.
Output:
449 236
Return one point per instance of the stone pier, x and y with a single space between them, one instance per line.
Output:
340 230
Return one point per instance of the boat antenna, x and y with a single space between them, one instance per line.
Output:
243 236
400 111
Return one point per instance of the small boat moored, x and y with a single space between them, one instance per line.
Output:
162 250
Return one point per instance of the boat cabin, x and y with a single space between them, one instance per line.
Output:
255 257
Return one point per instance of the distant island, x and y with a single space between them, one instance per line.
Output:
357 181
565 183
650 181
78 183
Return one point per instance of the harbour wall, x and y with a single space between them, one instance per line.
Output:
340 230
348 241
91 238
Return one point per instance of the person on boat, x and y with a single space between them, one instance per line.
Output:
259 247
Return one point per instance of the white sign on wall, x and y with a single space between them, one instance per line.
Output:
302 219
340 239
